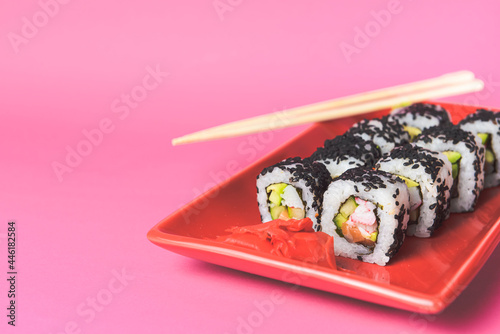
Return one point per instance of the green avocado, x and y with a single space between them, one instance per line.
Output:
490 156
279 187
276 191
484 137
275 198
454 170
452 156
276 211
339 220
412 131
348 207
409 183
401 105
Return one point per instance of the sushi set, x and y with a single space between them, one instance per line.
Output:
368 206
407 196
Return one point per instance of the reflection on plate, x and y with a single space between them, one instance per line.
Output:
425 276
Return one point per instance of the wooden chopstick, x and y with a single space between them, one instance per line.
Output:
446 85
446 79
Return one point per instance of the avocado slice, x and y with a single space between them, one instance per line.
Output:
484 137
401 105
279 187
339 220
276 191
409 183
276 211
348 207
454 170
490 156
275 198
452 156
412 131
373 236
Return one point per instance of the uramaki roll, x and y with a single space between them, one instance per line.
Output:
486 124
466 154
292 188
345 152
366 211
384 132
428 177
420 116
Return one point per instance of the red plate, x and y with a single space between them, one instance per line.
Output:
425 276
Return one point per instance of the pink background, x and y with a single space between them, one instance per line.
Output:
79 229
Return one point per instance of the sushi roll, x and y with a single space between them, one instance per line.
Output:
428 177
486 124
385 132
466 154
345 152
419 116
292 188
366 211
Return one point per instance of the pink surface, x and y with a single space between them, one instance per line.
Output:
145 72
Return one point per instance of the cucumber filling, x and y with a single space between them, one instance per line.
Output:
490 161
357 222
413 132
454 158
285 201
415 199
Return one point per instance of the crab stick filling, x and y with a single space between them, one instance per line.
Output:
285 201
357 221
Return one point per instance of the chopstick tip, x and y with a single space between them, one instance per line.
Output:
461 75
477 85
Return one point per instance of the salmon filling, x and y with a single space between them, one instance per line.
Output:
357 221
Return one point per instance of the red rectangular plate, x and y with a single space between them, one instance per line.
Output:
425 276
